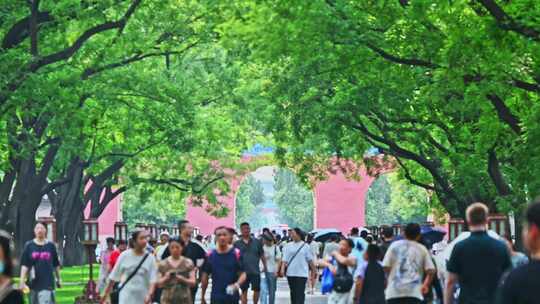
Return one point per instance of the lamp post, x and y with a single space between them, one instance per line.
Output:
120 231
50 224
90 241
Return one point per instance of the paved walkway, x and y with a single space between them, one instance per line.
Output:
282 295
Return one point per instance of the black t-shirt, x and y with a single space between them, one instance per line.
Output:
479 261
13 297
522 285
41 260
192 251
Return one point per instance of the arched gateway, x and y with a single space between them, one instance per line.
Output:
339 203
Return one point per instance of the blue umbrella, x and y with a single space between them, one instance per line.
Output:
431 235
324 235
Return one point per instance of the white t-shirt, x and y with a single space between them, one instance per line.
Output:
272 255
408 261
137 288
299 267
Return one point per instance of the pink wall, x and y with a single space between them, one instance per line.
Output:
339 203
111 214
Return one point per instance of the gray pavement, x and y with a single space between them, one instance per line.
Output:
282 295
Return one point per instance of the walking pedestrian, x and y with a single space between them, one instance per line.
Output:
272 255
296 265
370 278
360 244
342 264
523 283
192 250
40 264
386 240
224 265
8 295
136 272
477 262
517 258
164 237
113 258
315 248
176 275
407 262
104 257
252 253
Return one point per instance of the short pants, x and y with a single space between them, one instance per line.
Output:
254 280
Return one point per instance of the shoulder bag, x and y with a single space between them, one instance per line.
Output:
115 294
292 259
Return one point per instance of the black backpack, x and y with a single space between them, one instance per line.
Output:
343 280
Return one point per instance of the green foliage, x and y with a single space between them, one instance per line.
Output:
294 200
449 90
249 196
378 201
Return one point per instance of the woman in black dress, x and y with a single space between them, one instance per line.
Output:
8 295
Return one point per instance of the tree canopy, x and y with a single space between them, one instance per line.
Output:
161 98
448 90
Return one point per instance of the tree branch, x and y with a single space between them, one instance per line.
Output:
495 174
34 65
53 185
505 22
19 31
34 10
409 177
504 113
399 60
531 87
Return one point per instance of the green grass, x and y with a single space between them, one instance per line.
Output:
73 282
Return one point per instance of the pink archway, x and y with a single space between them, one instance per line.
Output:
339 203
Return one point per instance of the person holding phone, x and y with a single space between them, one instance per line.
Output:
176 275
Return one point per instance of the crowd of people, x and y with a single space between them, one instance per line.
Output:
356 269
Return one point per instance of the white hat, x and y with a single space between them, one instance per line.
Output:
164 232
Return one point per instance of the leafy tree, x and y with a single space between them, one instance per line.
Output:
448 90
250 195
92 93
294 200
378 201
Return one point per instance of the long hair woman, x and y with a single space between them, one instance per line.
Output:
370 278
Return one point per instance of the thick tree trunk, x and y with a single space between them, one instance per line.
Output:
69 214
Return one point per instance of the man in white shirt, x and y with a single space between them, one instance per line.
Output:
409 267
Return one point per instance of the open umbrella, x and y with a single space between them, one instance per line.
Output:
431 235
323 235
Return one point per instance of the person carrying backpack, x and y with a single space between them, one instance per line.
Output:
342 264
224 266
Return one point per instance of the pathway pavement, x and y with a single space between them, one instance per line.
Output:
282 295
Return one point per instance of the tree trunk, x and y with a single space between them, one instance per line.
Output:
69 214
